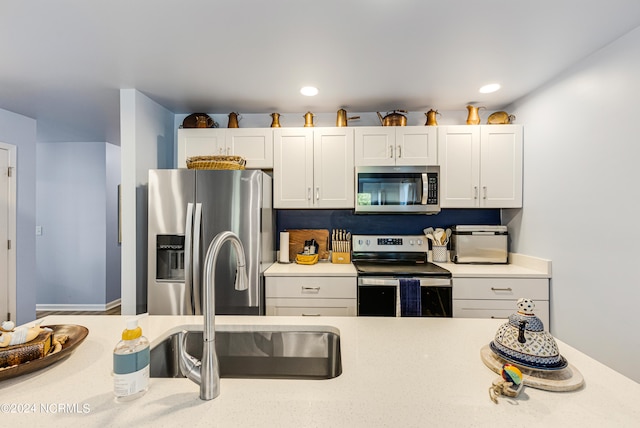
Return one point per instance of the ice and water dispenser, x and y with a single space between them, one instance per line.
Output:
170 257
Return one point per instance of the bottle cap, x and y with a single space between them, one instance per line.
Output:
133 331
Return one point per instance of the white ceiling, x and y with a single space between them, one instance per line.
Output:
63 62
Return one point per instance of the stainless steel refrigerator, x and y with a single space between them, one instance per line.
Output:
187 209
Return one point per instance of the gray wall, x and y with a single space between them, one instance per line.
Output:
20 131
582 203
77 254
147 142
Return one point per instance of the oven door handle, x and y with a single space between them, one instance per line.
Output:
424 282
378 281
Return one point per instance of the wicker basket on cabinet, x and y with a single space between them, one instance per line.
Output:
216 162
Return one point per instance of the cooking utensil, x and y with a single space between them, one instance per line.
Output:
431 118
275 120
428 230
500 118
233 120
394 118
448 233
473 118
342 119
308 120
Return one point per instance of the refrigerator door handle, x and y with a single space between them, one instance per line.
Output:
196 288
188 256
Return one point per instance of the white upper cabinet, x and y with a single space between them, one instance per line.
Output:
313 168
395 145
480 166
255 145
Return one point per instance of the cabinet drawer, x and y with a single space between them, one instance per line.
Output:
501 288
310 287
311 307
500 309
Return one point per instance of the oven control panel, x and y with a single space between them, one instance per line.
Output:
389 243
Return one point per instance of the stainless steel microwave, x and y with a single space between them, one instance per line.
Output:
397 189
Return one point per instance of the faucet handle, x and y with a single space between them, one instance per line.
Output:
189 365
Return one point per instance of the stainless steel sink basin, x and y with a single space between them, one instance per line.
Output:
267 352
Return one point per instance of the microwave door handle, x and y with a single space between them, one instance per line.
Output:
197 257
425 189
188 256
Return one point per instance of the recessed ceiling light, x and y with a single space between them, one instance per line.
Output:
309 91
487 89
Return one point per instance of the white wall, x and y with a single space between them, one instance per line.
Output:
20 131
75 202
582 201
147 142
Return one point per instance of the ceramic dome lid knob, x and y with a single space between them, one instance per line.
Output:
526 306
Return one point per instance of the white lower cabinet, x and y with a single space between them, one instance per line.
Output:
311 295
497 297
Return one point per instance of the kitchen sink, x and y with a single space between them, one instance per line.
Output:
266 352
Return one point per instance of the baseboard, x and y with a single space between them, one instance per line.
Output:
78 307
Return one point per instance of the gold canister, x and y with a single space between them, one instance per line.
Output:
308 119
431 118
473 118
275 120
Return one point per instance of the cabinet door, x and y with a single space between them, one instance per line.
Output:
459 159
375 145
501 166
416 145
334 179
253 144
199 142
292 168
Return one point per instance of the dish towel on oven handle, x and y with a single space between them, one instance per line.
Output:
410 302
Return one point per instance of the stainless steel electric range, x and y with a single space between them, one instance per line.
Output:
385 263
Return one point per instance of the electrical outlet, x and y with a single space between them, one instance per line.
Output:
38 230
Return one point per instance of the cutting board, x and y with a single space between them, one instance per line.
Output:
566 379
298 236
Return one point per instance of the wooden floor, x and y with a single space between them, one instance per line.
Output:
112 311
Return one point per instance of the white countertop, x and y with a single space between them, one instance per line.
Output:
318 269
409 372
519 266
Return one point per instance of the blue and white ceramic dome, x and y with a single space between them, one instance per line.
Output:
523 341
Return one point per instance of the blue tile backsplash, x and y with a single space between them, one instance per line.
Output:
381 224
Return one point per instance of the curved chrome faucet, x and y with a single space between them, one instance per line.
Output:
206 373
